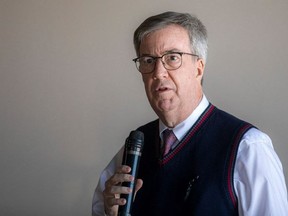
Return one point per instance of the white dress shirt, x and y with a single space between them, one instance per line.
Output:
258 175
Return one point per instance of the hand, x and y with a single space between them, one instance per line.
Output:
113 189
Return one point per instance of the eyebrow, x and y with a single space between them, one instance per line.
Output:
166 52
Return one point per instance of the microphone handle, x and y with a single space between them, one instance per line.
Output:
132 160
131 157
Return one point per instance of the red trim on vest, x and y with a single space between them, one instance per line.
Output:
232 163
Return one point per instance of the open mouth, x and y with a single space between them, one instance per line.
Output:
162 89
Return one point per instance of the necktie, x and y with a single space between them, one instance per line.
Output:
169 139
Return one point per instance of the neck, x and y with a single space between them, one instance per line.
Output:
174 117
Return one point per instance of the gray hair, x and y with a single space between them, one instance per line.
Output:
196 30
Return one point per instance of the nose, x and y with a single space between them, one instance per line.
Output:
160 71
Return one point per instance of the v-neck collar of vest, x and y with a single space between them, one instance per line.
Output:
198 124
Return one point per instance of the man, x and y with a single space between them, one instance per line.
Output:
216 164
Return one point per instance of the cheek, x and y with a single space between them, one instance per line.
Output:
147 84
186 85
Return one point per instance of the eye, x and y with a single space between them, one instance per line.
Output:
172 57
146 60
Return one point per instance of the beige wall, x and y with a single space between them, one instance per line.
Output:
70 94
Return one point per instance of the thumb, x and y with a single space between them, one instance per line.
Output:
138 185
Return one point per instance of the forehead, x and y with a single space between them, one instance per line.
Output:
170 38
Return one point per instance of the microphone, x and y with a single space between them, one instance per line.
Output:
132 154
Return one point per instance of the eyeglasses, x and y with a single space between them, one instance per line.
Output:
170 61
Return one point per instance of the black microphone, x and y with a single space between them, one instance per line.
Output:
132 154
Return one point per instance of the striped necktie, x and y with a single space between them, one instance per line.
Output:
169 139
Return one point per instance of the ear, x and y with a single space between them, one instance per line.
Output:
200 68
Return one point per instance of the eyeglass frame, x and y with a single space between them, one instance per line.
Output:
161 57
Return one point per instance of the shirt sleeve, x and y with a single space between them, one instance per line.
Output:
98 200
258 177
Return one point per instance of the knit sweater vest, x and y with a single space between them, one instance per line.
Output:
196 177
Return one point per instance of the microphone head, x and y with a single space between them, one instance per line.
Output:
135 139
137 135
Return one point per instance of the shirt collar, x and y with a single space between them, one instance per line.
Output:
182 128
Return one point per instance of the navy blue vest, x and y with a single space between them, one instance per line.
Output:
196 177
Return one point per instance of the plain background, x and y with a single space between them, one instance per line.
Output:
70 94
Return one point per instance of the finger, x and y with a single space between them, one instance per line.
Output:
111 205
117 179
123 169
139 184
113 187
120 176
120 190
115 191
110 202
112 197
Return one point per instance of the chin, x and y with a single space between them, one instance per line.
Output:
164 108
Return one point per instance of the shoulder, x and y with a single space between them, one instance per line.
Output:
255 140
228 119
257 157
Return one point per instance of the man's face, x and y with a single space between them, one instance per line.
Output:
172 94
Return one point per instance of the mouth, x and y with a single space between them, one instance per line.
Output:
161 89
